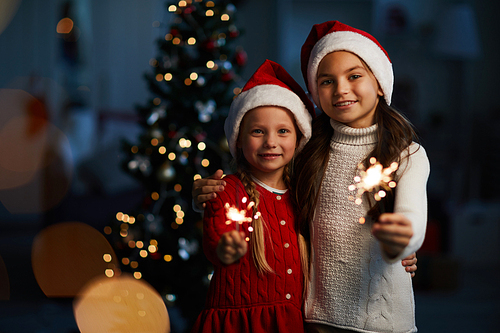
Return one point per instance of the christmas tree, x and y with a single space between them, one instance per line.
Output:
192 82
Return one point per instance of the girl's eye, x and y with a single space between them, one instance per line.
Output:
326 82
283 131
355 76
257 131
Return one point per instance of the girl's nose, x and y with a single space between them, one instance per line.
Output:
342 87
270 141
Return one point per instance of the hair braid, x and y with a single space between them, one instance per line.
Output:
257 244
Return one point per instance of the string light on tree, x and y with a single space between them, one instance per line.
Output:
191 81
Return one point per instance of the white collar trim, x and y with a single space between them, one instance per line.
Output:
267 187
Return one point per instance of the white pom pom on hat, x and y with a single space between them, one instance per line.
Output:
331 36
270 85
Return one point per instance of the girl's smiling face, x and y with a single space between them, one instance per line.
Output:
348 91
268 138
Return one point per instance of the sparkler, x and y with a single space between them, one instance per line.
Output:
375 179
240 216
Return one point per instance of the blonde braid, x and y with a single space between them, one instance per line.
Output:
257 244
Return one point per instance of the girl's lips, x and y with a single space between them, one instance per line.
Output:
344 104
269 156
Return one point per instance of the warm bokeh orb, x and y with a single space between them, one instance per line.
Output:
66 256
36 163
120 304
8 9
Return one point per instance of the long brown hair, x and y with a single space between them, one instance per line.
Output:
395 134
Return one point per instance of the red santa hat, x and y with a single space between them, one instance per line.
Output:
333 36
270 85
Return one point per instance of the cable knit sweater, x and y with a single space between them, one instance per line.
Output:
240 299
352 284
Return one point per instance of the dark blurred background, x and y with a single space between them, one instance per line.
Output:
445 55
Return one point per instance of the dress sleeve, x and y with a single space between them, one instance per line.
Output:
214 224
411 195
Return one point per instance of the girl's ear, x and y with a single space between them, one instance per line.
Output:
380 92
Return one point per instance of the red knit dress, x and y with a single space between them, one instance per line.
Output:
240 299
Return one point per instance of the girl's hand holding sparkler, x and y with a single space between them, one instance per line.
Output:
394 232
232 246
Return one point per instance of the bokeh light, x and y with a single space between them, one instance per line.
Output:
202 146
64 26
36 164
120 304
21 150
18 167
8 9
66 256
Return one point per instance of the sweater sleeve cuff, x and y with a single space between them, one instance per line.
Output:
391 260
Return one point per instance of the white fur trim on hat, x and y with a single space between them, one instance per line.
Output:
363 47
266 95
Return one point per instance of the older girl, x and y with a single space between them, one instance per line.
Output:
355 283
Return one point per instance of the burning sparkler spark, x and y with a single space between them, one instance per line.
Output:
235 215
376 177
239 216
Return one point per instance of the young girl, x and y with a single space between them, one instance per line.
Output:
354 283
258 286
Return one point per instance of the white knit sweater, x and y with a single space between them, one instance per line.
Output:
352 284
